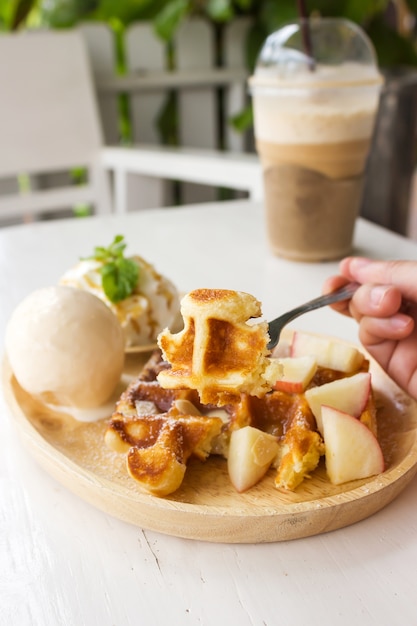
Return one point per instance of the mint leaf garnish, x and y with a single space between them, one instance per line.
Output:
119 275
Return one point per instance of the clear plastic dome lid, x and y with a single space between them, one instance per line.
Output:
315 51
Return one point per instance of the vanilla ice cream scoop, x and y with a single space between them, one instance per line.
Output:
153 305
65 347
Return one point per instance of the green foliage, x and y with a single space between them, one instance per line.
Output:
243 120
362 12
14 13
119 275
169 18
392 47
220 10
119 278
412 5
268 15
273 14
167 15
253 43
167 120
128 11
65 13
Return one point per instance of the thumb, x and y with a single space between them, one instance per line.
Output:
402 274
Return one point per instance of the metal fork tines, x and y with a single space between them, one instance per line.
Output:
275 327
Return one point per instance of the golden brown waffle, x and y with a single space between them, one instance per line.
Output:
218 352
152 425
160 429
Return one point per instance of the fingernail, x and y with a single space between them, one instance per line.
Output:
357 263
398 322
377 295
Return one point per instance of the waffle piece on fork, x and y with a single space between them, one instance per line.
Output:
218 353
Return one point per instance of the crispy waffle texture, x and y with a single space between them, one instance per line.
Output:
211 378
218 353
160 429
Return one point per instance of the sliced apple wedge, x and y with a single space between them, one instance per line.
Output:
327 351
349 395
296 373
351 450
251 452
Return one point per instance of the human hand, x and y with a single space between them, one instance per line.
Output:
385 307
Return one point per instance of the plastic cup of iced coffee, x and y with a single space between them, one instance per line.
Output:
315 93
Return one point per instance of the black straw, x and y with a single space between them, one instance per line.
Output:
305 32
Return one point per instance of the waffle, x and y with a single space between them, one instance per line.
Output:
210 379
218 353
289 418
160 429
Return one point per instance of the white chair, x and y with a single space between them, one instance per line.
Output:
49 123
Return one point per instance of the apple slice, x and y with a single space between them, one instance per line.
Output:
296 373
349 395
251 452
351 450
328 352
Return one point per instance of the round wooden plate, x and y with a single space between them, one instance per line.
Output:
207 507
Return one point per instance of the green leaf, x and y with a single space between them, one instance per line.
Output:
117 247
128 11
118 279
326 8
412 5
22 10
167 120
7 8
245 5
274 14
220 10
82 210
168 20
119 275
254 41
361 12
244 120
66 13
391 48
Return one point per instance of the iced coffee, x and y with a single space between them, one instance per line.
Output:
314 116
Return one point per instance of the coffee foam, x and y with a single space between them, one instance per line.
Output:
320 107
347 74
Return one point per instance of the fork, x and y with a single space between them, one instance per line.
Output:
275 327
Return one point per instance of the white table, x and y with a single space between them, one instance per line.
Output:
62 562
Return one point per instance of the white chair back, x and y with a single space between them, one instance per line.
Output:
49 120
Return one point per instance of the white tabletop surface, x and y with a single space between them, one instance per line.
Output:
62 562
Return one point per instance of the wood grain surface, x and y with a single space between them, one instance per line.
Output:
207 507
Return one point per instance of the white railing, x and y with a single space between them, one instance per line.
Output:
208 154
203 116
